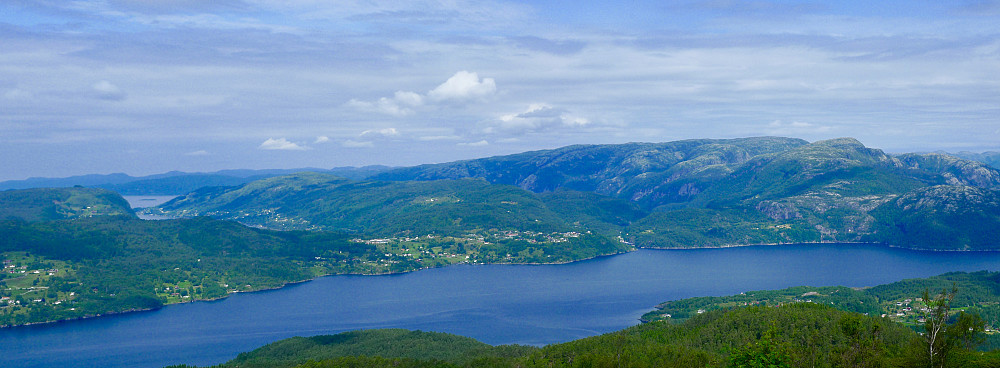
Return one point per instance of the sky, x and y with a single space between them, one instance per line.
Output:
145 86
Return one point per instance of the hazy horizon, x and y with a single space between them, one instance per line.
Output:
138 87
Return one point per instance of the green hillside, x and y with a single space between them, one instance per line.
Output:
979 290
61 203
794 327
979 293
822 191
98 259
394 343
314 201
493 223
794 335
751 191
694 193
650 174
955 170
104 264
945 217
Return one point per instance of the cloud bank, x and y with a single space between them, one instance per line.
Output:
402 83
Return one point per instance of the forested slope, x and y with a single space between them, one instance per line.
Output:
99 258
61 203
693 193
795 335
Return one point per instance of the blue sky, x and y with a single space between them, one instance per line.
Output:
143 87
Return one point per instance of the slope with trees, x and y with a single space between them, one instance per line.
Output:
79 252
797 335
61 203
747 191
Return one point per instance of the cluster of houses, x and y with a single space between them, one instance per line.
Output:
530 236
384 241
903 310
10 267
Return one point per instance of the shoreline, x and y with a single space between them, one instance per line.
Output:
290 283
880 244
89 316
772 244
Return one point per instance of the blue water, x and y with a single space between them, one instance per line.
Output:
497 304
140 202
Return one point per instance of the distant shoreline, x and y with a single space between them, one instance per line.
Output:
486 264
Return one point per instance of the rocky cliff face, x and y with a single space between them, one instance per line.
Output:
941 217
649 173
954 170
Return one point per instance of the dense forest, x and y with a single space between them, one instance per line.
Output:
792 335
899 301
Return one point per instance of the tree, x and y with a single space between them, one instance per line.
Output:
968 330
765 353
935 316
965 332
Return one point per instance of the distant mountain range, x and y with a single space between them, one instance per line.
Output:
714 157
691 193
991 158
177 182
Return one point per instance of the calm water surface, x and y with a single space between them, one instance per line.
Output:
148 200
144 201
497 304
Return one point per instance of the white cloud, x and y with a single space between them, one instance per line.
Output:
197 153
401 104
321 139
408 98
357 144
281 144
536 118
460 88
216 74
475 144
384 132
107 91
368 137
384 105
463 86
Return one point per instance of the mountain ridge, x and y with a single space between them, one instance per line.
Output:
692 193
177 182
